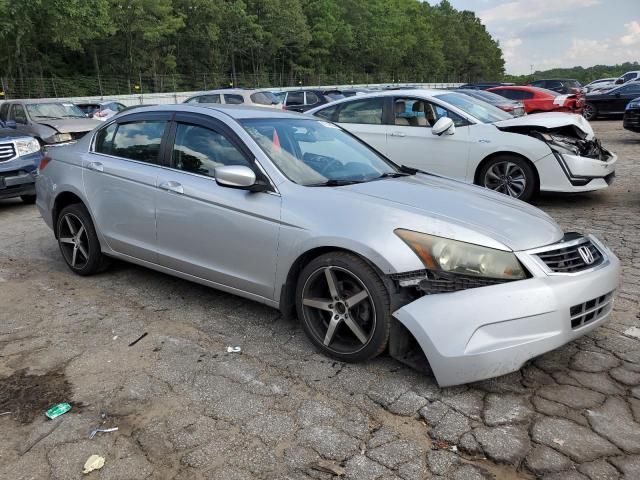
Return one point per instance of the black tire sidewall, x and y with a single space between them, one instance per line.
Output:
530 188
377 290
95 253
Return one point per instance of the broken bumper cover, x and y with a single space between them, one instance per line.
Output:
490 331
574 173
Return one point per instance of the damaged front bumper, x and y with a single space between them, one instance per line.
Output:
574 173
479 333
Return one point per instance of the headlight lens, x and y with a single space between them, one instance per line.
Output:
558 146
446 255
27 147
60 137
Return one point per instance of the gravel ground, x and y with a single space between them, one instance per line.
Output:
187 409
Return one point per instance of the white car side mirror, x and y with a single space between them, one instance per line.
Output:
444 125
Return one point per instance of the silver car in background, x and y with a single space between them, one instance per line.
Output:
298 214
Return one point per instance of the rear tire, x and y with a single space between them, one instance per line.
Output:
344 307
78 241
589 111
510 175
28 199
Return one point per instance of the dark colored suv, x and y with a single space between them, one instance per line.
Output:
564 86
303 100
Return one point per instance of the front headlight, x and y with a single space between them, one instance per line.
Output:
558 146
60 137
446 255
27 147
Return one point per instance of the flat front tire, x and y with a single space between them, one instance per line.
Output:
344 307
510 175
78 241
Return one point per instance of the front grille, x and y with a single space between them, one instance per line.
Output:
430 282
7 151
570 259
592 310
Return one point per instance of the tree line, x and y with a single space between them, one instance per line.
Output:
295 41
582 74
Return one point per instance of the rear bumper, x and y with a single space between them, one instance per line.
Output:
485 332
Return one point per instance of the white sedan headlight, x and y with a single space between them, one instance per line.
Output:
27 147
452 256
60 137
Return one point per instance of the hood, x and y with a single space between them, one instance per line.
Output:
72 125
548 121
514 224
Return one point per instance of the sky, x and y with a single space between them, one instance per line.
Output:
560 33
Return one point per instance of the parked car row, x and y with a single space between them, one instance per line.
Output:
339 223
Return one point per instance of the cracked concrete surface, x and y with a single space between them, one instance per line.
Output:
187 409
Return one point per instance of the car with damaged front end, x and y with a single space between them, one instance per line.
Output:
297 213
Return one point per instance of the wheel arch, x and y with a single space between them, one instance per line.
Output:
62 200
491 156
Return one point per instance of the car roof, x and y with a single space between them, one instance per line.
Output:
238 91
30 101
236 112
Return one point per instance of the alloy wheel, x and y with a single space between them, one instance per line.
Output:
588 111
74 241
338 309
506 177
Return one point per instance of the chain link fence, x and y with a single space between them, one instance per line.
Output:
98 86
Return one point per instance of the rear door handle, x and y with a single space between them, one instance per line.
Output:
172 186
398 134
97 166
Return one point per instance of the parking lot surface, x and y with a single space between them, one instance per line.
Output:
186 408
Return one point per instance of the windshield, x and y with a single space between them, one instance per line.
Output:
54 110
478 109
313 153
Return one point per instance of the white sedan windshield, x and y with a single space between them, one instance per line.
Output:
312 152
478 109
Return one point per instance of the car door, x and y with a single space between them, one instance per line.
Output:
225 235
364 118
120 176
411 142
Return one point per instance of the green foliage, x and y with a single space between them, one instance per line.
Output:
583 75
222 41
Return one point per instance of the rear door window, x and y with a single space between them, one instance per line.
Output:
295 98
312 98
264 98
232 99
367 111
139 140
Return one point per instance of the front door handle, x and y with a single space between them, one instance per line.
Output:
172 186
97 166
398 134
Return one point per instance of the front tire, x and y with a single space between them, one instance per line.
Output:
344 307
589 111
511 175
28 199
78 241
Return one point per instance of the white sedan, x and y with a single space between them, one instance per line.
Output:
457 136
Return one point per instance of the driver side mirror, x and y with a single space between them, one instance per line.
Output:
239 176
10 124
444 125
619 81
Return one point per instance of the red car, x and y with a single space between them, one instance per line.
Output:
541 100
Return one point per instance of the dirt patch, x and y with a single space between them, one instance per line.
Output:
27 396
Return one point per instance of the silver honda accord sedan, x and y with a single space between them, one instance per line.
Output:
298 214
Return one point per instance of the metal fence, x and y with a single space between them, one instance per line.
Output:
98 86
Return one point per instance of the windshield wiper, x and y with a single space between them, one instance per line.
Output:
392 175
73 116
47 116
335 183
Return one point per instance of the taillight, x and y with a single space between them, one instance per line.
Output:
44 161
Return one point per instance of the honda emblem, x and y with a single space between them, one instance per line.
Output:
587 255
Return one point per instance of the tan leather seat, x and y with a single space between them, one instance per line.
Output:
420 119
400 108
